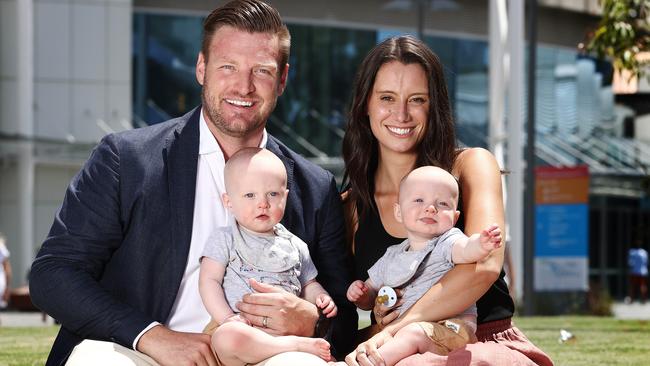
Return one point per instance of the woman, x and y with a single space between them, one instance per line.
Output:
401 119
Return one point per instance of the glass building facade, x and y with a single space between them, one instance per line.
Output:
310 117
574 97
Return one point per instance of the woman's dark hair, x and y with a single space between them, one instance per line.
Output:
360 154
253 16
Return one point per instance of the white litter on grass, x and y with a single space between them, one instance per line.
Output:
565 336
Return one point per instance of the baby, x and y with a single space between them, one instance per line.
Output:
256 248
427 207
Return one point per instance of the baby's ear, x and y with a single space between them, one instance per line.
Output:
456 216
397 211
225 199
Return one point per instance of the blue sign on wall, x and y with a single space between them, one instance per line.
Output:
561 230
561 247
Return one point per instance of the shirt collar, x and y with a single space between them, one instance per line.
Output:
208 144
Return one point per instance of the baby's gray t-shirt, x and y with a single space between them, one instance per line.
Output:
416 270
282 260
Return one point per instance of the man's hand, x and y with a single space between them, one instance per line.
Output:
172 348
285 313
327 305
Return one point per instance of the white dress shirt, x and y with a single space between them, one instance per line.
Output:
188 313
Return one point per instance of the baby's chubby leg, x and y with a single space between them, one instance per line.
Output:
408 341
237 343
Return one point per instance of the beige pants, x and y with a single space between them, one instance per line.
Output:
100 353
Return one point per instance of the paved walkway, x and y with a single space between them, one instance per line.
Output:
634 310
24 319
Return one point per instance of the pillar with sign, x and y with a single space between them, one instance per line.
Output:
561 229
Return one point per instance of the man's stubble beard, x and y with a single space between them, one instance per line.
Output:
234 130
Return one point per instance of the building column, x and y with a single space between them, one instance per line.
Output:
26 172
25 124
498 71
506 30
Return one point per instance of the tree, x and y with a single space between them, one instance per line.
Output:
622 34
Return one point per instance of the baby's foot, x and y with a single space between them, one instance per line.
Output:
316 346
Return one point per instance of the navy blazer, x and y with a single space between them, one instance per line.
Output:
116 253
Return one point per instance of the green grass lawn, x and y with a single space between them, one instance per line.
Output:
25 346
598 341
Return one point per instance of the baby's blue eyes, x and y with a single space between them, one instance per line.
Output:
442 204
270 194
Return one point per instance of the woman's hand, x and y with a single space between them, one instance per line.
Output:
366 353
384 315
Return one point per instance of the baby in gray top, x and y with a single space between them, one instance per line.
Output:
427 207
256 248
281 260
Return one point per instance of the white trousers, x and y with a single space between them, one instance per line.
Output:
99 353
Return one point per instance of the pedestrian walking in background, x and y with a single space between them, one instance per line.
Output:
5 272
637 261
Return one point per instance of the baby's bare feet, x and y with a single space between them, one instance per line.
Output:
316 346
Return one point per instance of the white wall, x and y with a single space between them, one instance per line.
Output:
8 63
81 83
82 67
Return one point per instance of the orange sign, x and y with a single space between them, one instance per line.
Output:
562 185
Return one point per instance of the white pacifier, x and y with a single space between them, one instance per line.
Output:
387 296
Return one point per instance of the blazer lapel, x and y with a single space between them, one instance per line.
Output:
182 153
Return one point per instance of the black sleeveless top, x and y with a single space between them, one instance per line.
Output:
371 241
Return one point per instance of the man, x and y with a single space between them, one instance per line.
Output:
121 261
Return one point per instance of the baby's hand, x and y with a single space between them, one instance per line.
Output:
490 238
325 302
357 290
